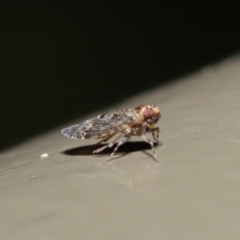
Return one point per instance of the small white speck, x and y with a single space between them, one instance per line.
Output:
44 155
33 176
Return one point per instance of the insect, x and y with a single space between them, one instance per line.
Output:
127 122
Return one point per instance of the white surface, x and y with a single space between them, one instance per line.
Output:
193 194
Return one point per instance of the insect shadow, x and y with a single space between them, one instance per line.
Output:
126 148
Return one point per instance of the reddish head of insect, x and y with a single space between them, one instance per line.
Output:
150 113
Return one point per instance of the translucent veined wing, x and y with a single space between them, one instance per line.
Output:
103 125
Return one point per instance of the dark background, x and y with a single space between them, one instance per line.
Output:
62 61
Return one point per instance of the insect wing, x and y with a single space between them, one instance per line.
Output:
75 131
102 126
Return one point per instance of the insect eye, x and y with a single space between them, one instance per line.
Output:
148 113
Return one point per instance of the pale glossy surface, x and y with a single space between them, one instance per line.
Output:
193 194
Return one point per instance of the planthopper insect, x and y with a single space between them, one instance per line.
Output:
127 122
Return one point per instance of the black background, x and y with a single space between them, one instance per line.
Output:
63 60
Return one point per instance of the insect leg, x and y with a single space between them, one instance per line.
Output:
105 139
151 144
116 148
108 145
155 134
